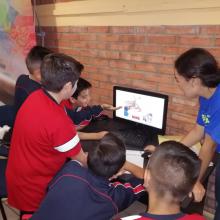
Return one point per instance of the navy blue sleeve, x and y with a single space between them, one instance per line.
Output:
85 115
23 88
58 202
20 96
124 194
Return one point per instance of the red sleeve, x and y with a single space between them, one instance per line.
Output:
64 137
66 104
197 217
193 217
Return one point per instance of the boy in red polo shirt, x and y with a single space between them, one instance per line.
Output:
43 136
171 173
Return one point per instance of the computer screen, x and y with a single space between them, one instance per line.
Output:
143 107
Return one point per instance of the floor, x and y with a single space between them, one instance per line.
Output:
11 213
135 208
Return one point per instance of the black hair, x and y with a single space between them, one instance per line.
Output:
174 169
81 85
58 69
108 157
198 62
35 57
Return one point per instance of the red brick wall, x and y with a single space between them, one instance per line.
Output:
138 57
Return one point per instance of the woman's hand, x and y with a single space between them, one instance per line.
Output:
150 148
198 191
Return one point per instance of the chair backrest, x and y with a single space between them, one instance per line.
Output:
3 189
4 149
7 115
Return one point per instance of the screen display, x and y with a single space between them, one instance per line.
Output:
140 108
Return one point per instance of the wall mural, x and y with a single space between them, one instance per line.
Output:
17 36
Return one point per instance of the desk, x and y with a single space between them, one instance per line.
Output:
132 153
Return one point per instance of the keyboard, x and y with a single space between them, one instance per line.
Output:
133 138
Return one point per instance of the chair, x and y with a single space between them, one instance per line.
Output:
7 113
188 205
3 190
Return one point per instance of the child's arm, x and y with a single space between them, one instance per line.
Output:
92 136
84 116
124 194
81 157
134 169
110 107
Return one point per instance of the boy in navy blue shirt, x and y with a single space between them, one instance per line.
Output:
26 84
80 102
80 193
171 173
81 112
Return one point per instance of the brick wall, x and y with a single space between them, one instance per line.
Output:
138 57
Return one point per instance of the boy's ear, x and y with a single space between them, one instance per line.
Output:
147 178
72 100
196 82
68 85
36 75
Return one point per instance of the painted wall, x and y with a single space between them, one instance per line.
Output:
129 12
17 36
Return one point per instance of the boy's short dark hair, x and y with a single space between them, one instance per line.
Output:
108 157
58 69
174 169
35 57
199 63
81 85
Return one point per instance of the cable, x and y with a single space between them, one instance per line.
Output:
39 31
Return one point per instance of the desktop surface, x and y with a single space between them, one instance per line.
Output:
118 127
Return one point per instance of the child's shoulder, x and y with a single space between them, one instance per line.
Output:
24 81
22 78
185 217
193 217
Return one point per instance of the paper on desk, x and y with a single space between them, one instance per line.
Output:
134 156
196 148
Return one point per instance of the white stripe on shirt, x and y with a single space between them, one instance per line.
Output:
131 217
68 145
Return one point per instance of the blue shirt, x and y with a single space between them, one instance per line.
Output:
76 193
209 116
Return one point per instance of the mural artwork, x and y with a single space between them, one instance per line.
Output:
17 36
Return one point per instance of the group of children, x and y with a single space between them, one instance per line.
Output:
52 103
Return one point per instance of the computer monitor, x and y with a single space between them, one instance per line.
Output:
142 107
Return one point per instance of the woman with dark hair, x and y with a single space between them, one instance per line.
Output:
198 75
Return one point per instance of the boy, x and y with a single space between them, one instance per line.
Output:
43 135
26 84
171 173
81 113
80 193
79 102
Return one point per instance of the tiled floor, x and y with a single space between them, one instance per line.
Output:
11 213
135 208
